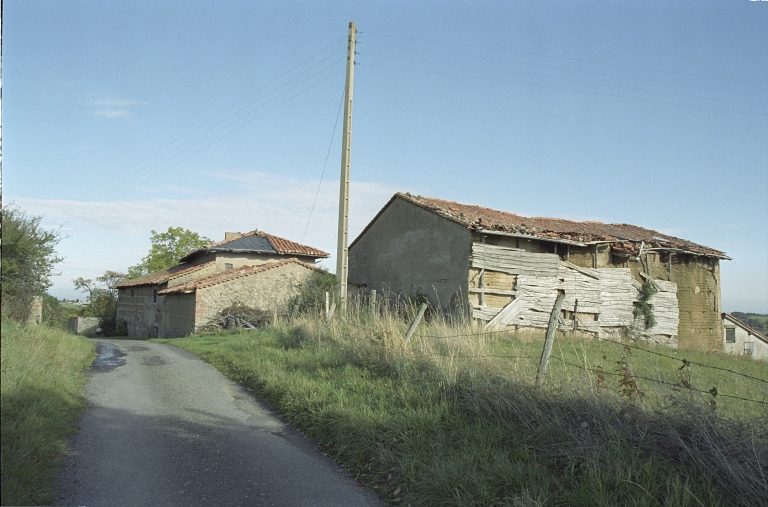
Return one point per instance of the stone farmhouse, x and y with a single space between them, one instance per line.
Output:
742 340
505 270
257 269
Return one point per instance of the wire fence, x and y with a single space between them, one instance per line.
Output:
682 384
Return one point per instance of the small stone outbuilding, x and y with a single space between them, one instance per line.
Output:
150 310
269 287
505 270
742 340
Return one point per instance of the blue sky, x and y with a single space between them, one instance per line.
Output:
653 114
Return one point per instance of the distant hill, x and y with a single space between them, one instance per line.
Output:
759 321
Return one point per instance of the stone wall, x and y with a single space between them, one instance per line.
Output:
142 311
83 325
408 248
35 315
698 294
196 274
238 260
270 290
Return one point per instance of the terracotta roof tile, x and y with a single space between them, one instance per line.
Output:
286 247
163 276
629 237
231 274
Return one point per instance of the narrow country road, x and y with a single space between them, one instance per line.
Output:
164 428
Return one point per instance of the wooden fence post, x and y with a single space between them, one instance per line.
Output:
415 322
550 339
329 315
373 303
327 308
296 306
575 310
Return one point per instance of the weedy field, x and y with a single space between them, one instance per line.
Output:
43 372
454 417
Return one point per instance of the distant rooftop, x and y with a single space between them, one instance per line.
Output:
258 242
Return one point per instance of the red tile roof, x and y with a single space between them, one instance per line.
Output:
625 238
231 274
281 246
288 247
163 276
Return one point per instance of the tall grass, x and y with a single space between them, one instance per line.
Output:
454 417
42 381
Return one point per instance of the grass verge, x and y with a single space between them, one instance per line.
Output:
42 382
455 419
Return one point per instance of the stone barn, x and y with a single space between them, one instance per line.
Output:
144 303
505 270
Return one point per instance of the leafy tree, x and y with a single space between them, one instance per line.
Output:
167 248
56 314
28 260
313 292
102 297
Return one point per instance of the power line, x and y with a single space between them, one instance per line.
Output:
222 112
567 79
330 145
197 138
98 204
517 62
568 90
119 189
571 59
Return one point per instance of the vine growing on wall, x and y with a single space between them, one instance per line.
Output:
643 308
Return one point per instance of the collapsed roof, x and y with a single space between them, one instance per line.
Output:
624 238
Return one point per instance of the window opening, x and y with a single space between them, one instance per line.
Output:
730 335
227 266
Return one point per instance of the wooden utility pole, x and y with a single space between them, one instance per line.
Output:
346 147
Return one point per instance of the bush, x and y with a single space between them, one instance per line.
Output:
28 260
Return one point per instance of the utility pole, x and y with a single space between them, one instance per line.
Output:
346 147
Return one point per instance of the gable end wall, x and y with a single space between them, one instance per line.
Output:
408 248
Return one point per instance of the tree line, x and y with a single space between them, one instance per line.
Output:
757 321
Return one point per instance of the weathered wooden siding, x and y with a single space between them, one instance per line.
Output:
600 300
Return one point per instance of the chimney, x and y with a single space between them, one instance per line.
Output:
230 235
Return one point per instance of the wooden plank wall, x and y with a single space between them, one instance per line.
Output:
600 300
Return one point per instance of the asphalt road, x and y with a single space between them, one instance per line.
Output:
164 428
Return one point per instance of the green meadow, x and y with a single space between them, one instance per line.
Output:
455 417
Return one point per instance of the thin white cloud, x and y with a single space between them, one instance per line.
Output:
113 108
112 113
118 102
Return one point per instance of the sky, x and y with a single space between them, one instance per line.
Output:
120 118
